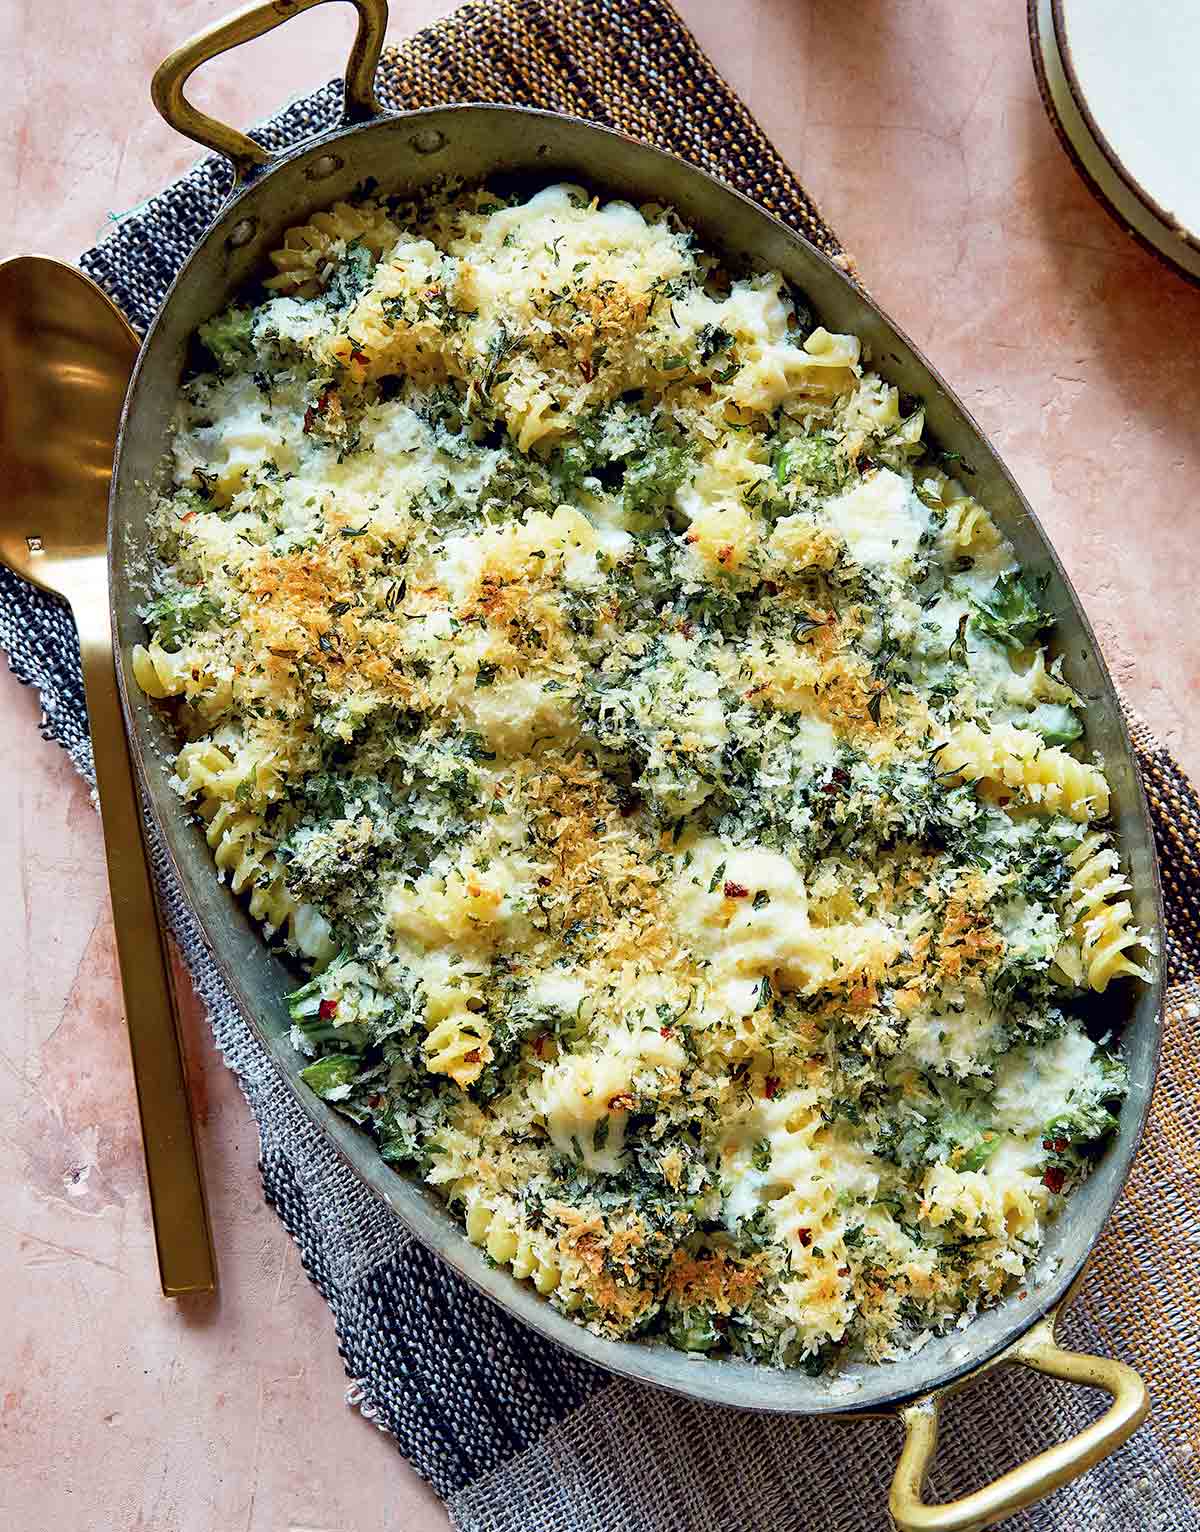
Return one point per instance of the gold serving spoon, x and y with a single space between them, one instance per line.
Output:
66 355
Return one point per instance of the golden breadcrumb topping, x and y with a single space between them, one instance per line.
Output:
586 668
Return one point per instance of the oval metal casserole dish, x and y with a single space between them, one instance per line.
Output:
403 153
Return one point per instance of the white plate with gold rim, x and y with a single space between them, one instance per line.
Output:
1119 82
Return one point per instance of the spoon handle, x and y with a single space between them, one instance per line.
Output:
182 1236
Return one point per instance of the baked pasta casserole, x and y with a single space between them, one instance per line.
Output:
586 669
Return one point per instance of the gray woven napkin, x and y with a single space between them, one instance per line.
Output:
516 1435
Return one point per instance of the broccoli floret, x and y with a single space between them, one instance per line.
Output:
959 1137
1090 1114
229 338
1010 612
332 1076
811 460
1056 723
946 1127
572 464
651 481
625 451
694 1330
177 614
319 1019
977 1156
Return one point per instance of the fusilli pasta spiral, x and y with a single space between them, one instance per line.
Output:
824 368
245 856
529 1256
158 673
309 250
458 1046
1045 775
204 768
1101 923
968 529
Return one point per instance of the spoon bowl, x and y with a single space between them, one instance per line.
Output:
66 353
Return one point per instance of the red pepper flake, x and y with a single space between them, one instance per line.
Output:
666 1031
725 554
687 629
692 537
621 1102
804 1236
1046 1144
539 1044
472 1057
585 367
770 1086
359 356
1060 1144
327 1010
735 890
322 404
843 1271
1055 1178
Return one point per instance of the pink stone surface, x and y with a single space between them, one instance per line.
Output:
918 126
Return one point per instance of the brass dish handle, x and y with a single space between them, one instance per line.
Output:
1048 1471
166 89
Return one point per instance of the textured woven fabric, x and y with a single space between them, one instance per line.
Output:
517 1435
